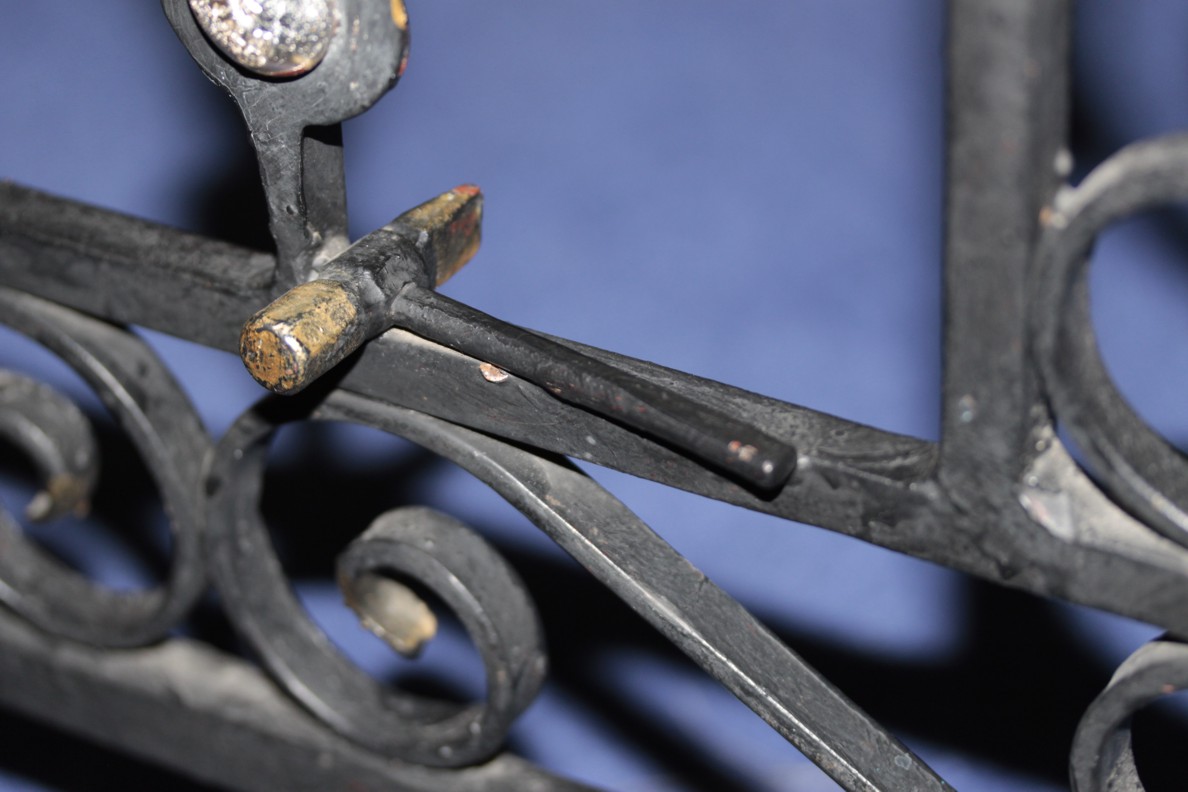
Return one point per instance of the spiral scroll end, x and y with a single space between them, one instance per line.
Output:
392 611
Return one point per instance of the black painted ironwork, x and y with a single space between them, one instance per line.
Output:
999 497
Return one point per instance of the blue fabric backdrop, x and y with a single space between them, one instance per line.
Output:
747 191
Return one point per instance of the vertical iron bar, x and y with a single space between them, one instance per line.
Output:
1007 115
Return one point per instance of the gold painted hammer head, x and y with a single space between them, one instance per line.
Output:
312 327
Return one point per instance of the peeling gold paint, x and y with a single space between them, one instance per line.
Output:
285 345
391 611
400 14
447 269
453 221
63 493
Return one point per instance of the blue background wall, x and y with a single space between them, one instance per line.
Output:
746 191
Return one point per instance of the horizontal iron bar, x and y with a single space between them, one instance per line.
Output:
128 270
181 694
125 269
853 479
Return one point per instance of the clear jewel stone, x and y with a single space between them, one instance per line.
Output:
278 38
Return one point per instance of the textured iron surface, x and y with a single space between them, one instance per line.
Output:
998 497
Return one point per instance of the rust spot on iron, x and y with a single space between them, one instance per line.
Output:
744 453
492 373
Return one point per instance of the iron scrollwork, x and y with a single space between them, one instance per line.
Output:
157 416
425 546
999 497
1139 468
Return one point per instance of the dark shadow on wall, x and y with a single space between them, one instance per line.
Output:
230 204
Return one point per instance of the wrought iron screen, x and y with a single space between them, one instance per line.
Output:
223 670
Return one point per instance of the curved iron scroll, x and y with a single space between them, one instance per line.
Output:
430 548
1102 757
712 628
1140 468
157 416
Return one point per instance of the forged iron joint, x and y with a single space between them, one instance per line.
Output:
315 325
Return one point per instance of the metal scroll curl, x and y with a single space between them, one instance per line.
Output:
590 524
1102 757
1145 473
150 406
419 544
